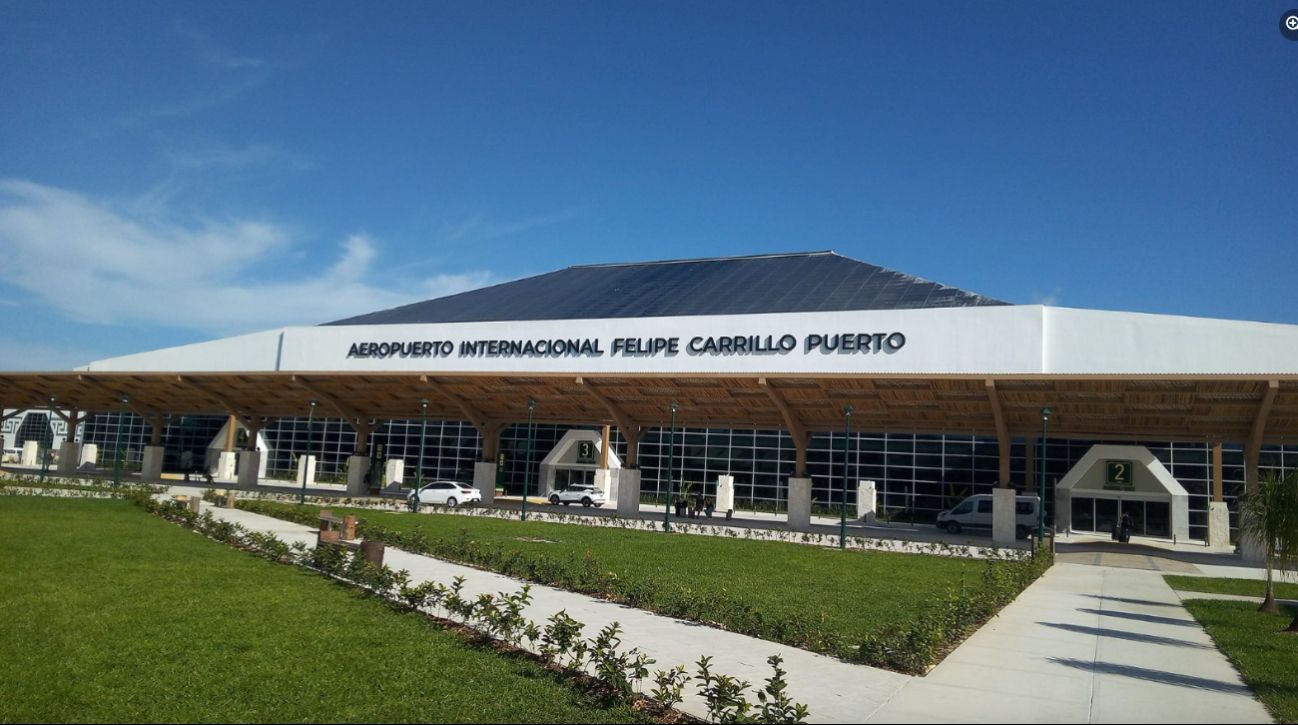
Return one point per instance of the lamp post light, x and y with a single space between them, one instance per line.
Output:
1041 504
527 459
419 464
310 440
117 447
847 433
671 460
45 458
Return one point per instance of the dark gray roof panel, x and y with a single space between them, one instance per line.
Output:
807 282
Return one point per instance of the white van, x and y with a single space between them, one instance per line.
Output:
975 512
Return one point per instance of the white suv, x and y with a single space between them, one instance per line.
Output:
582 493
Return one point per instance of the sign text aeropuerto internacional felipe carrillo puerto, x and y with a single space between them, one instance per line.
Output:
852 343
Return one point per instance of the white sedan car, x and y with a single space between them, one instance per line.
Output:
447 493
584 494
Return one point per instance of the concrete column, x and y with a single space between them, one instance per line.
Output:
358 468
226 465
867 501
628 493
799 504
1253 553
484 479
306 467
1063 510
1180 518
31 454
249 469
151 470
604 482
1004 515
1218 525
69 454
394 471
89 454
725 494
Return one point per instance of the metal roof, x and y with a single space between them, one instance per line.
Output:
803 282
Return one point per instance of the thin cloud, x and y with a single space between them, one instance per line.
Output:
105 264
1049 300
480 228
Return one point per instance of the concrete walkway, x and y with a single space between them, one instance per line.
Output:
1083 644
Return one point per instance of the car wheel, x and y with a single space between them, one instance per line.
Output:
586 501
953 527
1021 531
554 500
452 502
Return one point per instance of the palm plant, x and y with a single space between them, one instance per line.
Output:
1268 521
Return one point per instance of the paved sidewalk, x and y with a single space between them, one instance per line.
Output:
1083 644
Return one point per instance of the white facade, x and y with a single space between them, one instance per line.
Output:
1014 339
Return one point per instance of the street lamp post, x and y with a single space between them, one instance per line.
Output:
1041 504
527 459
847 433
45 458
671 460
310 440
419 463
117 447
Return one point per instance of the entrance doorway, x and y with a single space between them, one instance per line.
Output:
1098 515
567 477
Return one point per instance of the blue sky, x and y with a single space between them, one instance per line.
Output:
172 172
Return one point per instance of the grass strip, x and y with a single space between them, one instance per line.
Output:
1266 656
812 597
1242 587
112 615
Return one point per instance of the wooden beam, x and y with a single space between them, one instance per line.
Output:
631 430
220 400
474 416
801 438
347 412
603 449
1002 434
1253 449
14 414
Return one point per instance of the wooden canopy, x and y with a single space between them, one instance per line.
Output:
1237 408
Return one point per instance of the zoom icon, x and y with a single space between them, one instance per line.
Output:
1289 25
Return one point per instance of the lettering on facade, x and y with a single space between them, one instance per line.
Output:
840 343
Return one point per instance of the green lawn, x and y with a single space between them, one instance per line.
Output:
112 615
1245 587
847 593
1265 655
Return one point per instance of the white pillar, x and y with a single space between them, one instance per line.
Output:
799 504
358 468
628 493
31 451
306 467
250 466
1180 518
1218 525
394 471
1004 515
89 454
151 470
68 453
725 494
604 482
484 479
226 465
867 501
1252 551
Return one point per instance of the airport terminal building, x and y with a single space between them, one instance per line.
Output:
762 356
